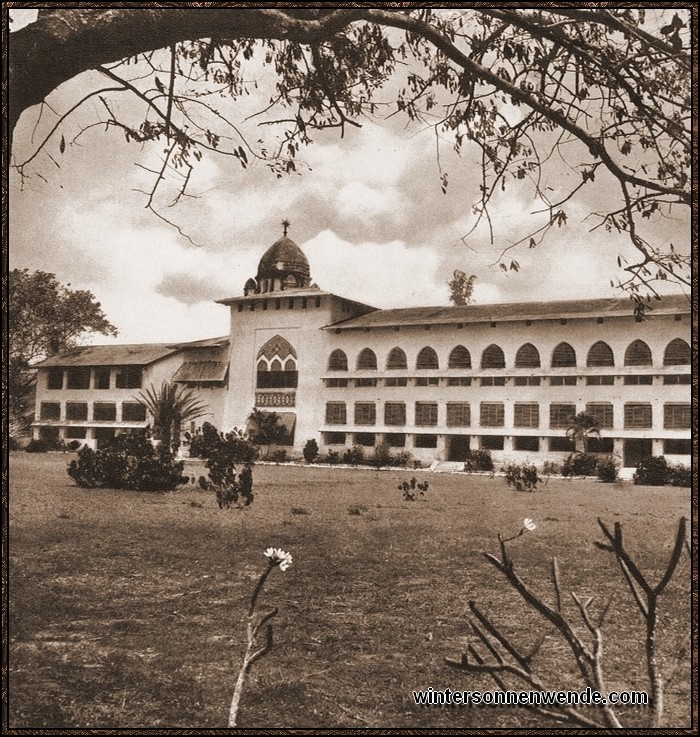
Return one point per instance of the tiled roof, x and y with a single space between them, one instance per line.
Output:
139 354
580 308
206 343
201 371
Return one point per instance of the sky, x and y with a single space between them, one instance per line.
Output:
367 209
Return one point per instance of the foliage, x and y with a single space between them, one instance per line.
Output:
266 429
310 451
461 288
44 318
478 460
383 457
522 476
170 405
580 464
651 471
231 486
40 445
582 427
204 441
354 456
130 461
332 458
74 445
607 469
413 489
680 475
279 456
13 443
551 468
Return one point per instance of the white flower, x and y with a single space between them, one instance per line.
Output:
529 525
279 557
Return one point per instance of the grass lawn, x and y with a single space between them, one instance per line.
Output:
126 608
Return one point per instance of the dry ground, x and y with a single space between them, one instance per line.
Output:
126 607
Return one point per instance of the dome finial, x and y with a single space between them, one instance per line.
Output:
285 226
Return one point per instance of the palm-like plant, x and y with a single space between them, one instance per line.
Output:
170 405
581 427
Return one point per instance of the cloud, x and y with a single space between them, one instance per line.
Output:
190 289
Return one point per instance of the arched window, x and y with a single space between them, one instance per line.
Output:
638 353
427 359
527 357
338 361
460 358
563 356
493 357
277 365
600 354
677 353
367 359
396 359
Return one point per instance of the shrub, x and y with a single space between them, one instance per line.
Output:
680 476
522 476
478 460
354 456
652 471
13 443
333 457
580 464
551 468
128 462
203 442
310 451
401 460
38 445
230 485
279 456
382 455
606 469
74 445
411 489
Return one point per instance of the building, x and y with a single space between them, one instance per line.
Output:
434 381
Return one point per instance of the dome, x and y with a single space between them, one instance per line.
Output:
284 259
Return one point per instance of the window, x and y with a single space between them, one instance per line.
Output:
564 356
677 353
396 359
493 381
49 433
338 361
527 381
104 411
677 416
334 438
458 414
395 413
395 439
336 413
54 380
129 378
427 359
276 375
600 354
491 442
394 381
638 353
527 357
426 413
366 359
493 357
637 416
560 415
526 442
677 379
336 383
364 438
427 381
365 382
561 444
600 380
459 381
102 376
673 447
599 445
365 413
75 433
133 412
50 411
601 412
491 414
425 441
459 358
76 411
638 379
78 378
562 380
526 414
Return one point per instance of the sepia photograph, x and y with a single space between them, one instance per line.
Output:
350 367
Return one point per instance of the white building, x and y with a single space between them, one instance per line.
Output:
434 381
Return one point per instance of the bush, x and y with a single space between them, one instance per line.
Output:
38 445
204 442
551 468
652 471
381 456
580 464
478 460
522 476
279 456
13 443
128 462
310 451
333 457
607 469
401 460
354 456
680 476
412 489
230 485
74 445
